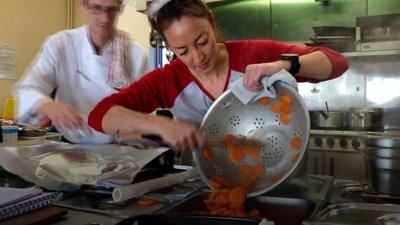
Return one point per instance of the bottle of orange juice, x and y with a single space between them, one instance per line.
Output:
8 113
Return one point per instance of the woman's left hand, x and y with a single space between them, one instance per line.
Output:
255 72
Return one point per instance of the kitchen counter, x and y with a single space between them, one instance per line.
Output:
94 207
91 207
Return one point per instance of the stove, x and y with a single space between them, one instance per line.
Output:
337 140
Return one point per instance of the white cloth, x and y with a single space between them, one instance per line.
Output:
247 96
67 62
118 74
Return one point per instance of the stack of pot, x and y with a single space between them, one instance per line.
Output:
365 119
382 159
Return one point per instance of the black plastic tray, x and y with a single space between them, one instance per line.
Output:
172 219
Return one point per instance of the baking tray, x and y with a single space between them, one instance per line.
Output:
165 219
281 210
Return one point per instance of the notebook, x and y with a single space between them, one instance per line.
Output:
24 201
11 195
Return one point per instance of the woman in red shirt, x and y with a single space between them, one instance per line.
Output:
203 70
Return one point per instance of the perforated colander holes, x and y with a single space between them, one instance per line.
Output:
213 130
226 104
259 123
277 120
235 120
297 132
274 156
273 141
217 169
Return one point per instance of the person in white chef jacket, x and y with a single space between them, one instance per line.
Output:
79 67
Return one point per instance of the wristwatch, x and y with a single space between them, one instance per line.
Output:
294 62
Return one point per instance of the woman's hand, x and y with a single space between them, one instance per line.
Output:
181 136
66 120
255 72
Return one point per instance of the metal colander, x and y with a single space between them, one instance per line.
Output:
257 123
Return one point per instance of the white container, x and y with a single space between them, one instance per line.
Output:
9 133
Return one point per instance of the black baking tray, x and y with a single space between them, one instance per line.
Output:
334 31
173 219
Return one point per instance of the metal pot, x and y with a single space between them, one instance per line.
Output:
328 120
383 139
383 170
368 119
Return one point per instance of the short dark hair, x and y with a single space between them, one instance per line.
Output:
175 9
119 1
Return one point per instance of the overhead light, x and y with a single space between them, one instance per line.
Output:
289 1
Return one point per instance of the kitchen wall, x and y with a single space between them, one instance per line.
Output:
373 80
292 20
26 24
131 21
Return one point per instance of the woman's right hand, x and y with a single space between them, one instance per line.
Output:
181 136
66 120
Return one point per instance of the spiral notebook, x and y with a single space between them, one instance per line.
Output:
24 201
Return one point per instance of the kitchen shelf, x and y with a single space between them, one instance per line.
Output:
373 53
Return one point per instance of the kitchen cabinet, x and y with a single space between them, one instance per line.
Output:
315 161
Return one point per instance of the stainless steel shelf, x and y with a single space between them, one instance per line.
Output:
373 53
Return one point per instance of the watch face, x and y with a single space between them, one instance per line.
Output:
294 62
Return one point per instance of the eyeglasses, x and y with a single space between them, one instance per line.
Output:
98 9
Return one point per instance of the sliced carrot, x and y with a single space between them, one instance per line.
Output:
285 109
245 170
285 118
224 197
255 213
253 151
263 101
208 153
247 182
214 183
286 100
240 213
235 206
146 201
295 158
276 178
236 155
295 142
225 182
237 195
228 139
276 107
259 170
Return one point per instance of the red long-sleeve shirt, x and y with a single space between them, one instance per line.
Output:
175 87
